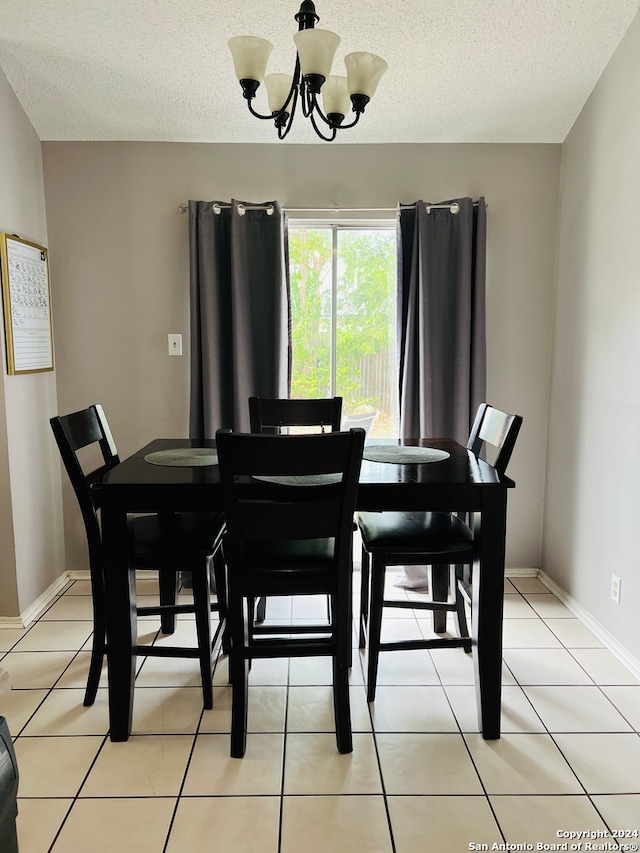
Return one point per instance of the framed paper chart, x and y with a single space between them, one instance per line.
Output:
27 305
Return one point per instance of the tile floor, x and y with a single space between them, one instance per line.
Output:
420 778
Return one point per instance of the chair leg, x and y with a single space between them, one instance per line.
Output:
440 592
341 664
238 677
168 583
202 604
330 617
364 598
461 612
376 603
261 610
220 575
341 707
99 645
95 666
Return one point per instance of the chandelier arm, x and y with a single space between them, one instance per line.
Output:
283 130
258 115
315 107
351 123
318 131
296 86
306 98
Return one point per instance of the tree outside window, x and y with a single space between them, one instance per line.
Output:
343 305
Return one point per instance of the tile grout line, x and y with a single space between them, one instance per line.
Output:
285 735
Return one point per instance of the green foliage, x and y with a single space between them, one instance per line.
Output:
310 257
365 309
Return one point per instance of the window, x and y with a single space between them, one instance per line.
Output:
343 306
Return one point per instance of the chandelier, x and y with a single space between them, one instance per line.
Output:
311 78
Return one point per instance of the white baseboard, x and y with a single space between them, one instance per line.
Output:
79 576
607 639
11 622
43 601
521 573
34 610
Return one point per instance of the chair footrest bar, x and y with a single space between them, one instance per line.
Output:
290 629
421 605
159 609
436 643
166 652
267 649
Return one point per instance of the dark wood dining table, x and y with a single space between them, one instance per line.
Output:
460 483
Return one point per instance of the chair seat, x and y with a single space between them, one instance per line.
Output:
292 554
292 566
184 535
421 533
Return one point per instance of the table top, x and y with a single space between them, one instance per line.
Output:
457 480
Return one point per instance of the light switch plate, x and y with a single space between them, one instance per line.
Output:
175 344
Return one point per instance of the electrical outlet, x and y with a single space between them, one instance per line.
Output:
616 583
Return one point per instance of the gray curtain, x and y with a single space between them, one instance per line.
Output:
240 327
441 317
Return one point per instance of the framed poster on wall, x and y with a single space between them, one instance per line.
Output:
27 305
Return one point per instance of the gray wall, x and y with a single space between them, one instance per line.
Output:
119 262
592 500
31 541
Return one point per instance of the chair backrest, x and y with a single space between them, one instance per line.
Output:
303 487
272 414
73 433
497 428
366 421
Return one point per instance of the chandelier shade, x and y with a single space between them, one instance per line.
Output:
278 90
315 52
335 97
250 56
364 71
316 49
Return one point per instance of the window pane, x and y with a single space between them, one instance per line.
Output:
357 325
310 271
366 326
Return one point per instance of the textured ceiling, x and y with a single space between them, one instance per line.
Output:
459 70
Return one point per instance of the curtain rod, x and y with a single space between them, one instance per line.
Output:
454 207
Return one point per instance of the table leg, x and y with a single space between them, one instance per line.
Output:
121 621
486 612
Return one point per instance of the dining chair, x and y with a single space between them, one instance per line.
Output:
442 540
289 503
366 421
167 543
275 414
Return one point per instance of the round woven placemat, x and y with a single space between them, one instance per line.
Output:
400 455
184 457
301 479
